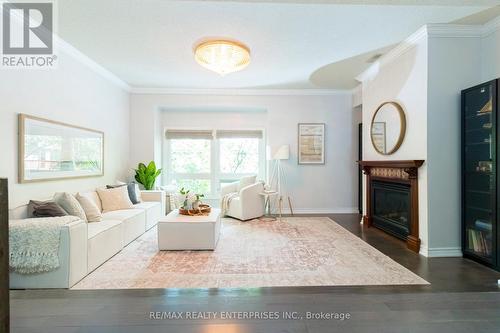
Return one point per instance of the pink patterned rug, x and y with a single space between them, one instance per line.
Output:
296 251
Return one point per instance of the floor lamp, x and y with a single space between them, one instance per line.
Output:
279 154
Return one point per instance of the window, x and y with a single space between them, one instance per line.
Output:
204 160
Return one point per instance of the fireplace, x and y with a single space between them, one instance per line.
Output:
391 207
392 198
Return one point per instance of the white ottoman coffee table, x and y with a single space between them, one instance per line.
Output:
181 232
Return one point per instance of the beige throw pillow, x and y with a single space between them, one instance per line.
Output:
137 190
114 199
92 212
94 197
69 203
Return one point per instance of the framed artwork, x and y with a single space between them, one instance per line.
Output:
378 135
311 143
50 150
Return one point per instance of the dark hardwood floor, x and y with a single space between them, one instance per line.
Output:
463 297
444 274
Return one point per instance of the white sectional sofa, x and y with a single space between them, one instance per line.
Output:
85 246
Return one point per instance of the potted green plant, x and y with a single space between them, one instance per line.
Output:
197 202
187 198
146 175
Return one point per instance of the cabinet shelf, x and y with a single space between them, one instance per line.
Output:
479 114
485 210
479 129
478 192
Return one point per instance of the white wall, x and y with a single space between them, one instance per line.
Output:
454 65
402 79
320 188
490 52
73 94
426 73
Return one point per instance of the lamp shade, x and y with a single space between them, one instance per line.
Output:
278 153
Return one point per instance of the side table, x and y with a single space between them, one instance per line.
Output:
267 204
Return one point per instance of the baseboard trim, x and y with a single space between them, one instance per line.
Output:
342 210
444 252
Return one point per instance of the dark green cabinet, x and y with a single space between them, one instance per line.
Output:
480 188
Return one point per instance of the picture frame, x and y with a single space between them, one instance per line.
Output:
311 143
52 150
378 136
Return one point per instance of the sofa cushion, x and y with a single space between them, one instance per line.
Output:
69 203
146 205
121 215
114 199
153 212
96 228
106 241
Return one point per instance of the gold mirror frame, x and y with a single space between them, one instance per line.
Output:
402 132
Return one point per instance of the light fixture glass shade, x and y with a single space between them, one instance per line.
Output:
278 153
222 56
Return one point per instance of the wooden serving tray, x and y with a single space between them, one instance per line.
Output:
204 210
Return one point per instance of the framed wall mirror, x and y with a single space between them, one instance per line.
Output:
50 150
388 128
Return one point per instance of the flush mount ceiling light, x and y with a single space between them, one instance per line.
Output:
222 56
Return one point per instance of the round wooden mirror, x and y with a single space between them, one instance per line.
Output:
388 128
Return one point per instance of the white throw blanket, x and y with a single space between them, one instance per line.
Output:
226 200
34 243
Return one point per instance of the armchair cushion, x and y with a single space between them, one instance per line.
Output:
245 181
229 188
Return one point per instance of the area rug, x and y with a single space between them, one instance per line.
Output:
296 251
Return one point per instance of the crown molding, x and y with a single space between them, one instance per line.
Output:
393 54
491 26
62 45
67 48
239 92
455 31
428 31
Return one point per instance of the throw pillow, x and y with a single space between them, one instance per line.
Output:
69 203
130 189
45 209
245 181
92 212
31 207
138 193
94 197
114 199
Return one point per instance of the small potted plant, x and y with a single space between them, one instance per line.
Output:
197 202
187 197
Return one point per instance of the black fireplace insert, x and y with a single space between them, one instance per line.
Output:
391 207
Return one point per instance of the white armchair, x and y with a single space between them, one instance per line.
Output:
247 203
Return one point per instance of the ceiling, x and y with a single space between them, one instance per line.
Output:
294 44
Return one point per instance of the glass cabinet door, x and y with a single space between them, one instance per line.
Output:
479 163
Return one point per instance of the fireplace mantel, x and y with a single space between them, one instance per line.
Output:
396 171
392 164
